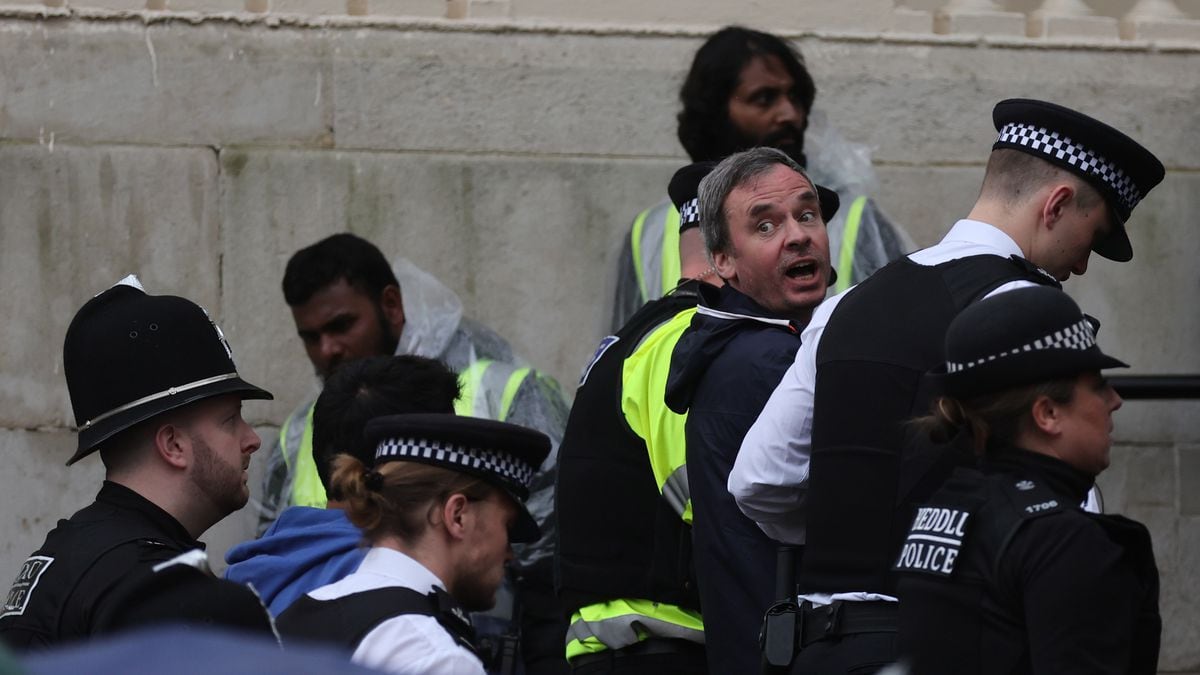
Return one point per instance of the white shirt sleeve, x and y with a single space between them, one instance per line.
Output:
770 476
415 645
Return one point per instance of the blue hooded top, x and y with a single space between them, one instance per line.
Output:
304 549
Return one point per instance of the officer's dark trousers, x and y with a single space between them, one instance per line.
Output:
857 654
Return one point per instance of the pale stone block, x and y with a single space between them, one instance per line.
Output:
778 15
1151 475
490 9
167 83
1180 597
416 8
39 490
1189 480
927 201
1173 30
206 6
1141 306
1090 27
316 7
905 20
125 5
527 93
74 221
978 22
917 104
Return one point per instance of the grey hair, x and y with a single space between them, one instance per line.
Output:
733 172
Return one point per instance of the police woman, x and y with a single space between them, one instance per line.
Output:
1002 571
439 508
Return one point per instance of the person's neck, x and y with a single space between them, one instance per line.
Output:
693 259
168 495
432 555
1009 220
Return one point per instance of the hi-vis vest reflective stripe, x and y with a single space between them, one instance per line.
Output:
655 246
845 266
620 623
656 250
488 390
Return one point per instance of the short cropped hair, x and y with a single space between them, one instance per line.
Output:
338 257
1012 176
705 130
733 172
360 390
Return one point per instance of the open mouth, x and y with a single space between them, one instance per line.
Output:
804 270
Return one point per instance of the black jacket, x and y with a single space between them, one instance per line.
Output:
1036 586
96 573
723 370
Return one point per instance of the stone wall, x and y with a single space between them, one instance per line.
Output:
507 158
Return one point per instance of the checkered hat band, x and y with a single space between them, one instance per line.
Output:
1054 144
690 212
502 464
1079 337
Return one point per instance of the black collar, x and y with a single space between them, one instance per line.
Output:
120 497
1059 476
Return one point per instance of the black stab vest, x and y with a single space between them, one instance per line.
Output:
867 470
971 633
345 621
618 536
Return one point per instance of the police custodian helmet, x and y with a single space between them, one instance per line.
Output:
129 356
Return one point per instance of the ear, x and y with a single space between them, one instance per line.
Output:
1047 416
173 445
391 303
725 264
1060 199
457 515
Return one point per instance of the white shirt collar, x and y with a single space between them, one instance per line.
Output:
977 232
392 564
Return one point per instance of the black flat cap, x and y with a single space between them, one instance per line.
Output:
129 356
1019 337
506 455
1121 169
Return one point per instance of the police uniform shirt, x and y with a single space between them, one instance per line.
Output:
770 475
98 572
409 643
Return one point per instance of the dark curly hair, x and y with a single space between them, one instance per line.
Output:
341 256
704 127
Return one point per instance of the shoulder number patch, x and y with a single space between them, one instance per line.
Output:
604 345
934 541
22 589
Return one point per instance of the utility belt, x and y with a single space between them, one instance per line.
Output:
676 651
789 628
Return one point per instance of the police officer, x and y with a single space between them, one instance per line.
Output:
1001 571
623 563
155 392
440 506
828 462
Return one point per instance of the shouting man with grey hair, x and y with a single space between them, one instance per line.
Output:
763 222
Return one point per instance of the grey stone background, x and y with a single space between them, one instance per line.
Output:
508 161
